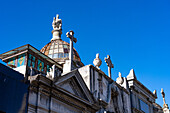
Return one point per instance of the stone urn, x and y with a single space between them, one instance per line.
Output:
97 61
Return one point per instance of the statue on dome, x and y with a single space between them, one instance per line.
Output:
57 23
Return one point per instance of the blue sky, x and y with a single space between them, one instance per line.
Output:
135 33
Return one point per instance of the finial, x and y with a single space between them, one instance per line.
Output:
57 28
97 61
163 95
120 80
155 93
131 75
71 36
57 23
162 92
109 64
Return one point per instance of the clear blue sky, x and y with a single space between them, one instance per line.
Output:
135 33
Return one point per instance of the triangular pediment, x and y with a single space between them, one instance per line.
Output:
74 84
73 87
68 87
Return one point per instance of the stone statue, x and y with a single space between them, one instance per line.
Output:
50 73
54 72
57 23
57 28
97 61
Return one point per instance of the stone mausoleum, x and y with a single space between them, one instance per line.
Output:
54 80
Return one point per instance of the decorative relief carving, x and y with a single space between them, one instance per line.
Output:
44 100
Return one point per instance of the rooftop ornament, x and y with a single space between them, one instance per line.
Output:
155 93
72 39
165 106
97 61
57 28
109 64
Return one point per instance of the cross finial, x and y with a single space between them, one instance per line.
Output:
163 95
71 36
109 64
72 39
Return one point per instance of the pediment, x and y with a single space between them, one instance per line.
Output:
73 87
74 84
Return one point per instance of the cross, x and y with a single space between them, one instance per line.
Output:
163 95
109 64
72 39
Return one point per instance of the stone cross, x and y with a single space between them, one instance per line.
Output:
72 39
109 64
163 95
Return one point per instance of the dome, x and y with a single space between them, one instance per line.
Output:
59 51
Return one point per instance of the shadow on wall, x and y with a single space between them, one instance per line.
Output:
13 91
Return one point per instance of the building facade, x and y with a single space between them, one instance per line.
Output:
56 81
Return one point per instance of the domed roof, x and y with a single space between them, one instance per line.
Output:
59 51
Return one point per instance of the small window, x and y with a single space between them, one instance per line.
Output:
55 55
65 46
51 52
66 50
52 46
60 46
56 46
55 50
61 50
66 55
60 55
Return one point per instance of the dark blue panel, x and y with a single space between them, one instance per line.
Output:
13 91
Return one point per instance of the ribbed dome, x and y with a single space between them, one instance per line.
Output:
59 51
